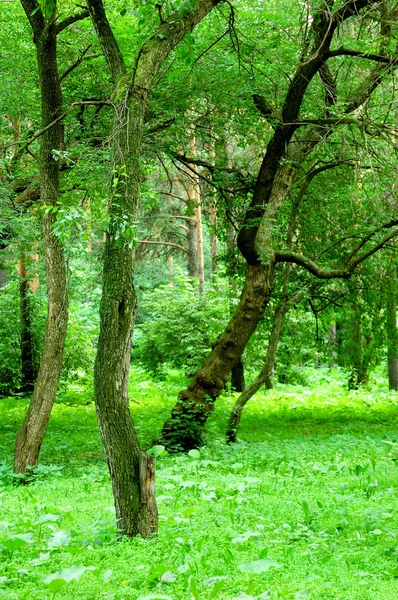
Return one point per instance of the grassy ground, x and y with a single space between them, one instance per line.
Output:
305 506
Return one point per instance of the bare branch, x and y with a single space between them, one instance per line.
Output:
70 20
78 62
150 242
25 144
341 273
346 52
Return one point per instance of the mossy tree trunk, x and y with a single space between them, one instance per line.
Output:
31 434
132 470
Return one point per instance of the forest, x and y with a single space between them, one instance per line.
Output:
198 299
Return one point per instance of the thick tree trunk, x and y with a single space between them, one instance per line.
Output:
132 471
31 434
184 429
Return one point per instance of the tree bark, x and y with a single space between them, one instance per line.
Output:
238 376
31 434
132 471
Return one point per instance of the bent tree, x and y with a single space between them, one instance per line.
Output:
132 471
283 159
46 28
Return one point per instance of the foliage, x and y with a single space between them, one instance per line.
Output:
10 354
179 325
303 507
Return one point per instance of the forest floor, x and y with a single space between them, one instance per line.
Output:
304 506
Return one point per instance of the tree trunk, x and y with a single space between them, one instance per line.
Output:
184 429
192 241
392 332
213 216
265 375
170 262
332 345
194 202
132 471
129 467
238 376
31 434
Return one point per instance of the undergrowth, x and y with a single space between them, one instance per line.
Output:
304 506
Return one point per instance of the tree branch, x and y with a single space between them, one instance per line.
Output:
34 15
347 52
40 132
78 62
341 273
150 242
70 20
109 45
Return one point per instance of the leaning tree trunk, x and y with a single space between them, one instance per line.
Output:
32 431
392 332
184 429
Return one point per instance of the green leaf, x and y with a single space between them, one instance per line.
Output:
194 589
156 450
243 537
67 575
195 453
255 567
57 539
47 518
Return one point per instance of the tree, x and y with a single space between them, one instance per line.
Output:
132 471
286 152
46 28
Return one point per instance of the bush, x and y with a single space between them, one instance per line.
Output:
181 325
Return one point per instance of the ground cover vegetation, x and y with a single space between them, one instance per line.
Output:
303 507
204 191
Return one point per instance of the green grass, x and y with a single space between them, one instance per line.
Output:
311 486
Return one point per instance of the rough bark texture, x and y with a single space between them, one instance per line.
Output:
132 471
129 467
31 434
